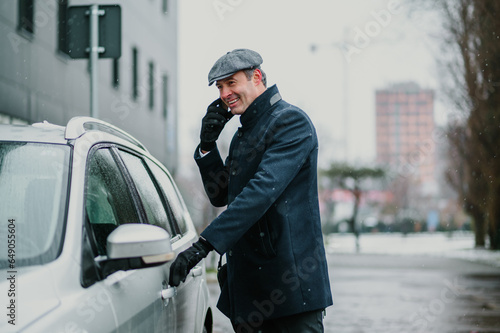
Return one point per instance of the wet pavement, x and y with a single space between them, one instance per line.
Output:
412 293
400 293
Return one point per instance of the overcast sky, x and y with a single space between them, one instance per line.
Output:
361 46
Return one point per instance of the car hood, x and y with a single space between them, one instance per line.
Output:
32 292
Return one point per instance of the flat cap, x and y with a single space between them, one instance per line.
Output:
232 62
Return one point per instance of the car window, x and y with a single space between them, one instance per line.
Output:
151 200
33 183
108 201
170 191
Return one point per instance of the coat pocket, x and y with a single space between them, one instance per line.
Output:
262 239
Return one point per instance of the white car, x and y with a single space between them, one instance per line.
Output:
89 223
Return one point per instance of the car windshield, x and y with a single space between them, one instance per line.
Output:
33 191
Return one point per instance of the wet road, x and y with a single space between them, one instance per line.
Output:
405 293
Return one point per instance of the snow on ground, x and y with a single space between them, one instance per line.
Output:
457 244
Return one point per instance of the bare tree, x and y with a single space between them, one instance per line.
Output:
472 49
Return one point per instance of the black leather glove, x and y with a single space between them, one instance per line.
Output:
212 124
186 260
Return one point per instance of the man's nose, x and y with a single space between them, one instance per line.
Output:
225 93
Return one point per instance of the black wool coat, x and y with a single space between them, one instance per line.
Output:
271 229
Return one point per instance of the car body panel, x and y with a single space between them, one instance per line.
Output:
34 285
142 288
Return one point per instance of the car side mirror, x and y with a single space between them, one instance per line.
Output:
135 246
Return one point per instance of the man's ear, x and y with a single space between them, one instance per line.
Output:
257 76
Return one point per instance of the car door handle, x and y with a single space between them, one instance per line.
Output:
168 293
197 271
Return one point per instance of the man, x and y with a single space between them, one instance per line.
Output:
277 275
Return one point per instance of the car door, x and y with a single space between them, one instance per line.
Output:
156 213
191 301
112 199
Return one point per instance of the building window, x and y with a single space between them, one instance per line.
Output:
165 95
151 82
62 28
164 6
116 73
135 74
26 11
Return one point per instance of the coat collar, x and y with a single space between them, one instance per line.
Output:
260 105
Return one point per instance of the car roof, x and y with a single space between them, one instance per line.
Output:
38 132
46 132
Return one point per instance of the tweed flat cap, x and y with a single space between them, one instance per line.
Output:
232 62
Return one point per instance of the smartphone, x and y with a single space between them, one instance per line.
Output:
229 115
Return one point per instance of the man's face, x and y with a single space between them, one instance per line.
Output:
237 92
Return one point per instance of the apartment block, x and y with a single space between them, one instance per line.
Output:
405 132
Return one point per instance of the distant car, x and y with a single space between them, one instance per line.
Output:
89 224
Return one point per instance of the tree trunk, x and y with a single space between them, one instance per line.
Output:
352 222
479 225
494 218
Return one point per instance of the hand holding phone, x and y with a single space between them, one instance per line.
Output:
220 107
212 124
